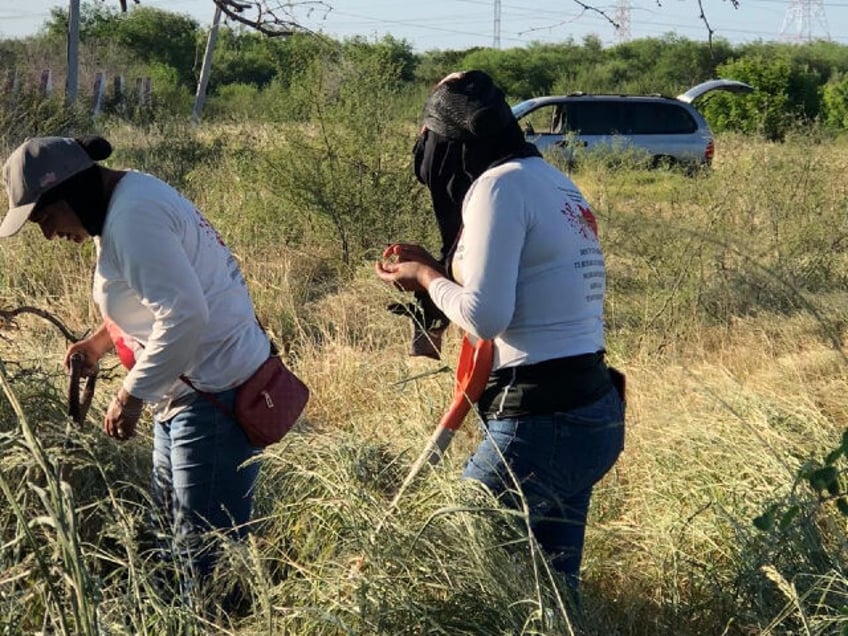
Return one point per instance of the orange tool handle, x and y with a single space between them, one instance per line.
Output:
472 374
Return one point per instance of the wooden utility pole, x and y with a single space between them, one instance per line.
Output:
72 77
496 33
205 70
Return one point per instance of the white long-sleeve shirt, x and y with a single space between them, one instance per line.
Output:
531 269
167 280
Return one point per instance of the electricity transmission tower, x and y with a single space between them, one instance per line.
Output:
496 32
622 19
799 18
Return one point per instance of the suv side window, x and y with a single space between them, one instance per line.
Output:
657 118
542 121
594 117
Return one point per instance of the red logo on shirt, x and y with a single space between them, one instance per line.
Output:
588 219
581 219
207 227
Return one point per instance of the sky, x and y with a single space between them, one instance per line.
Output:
461 24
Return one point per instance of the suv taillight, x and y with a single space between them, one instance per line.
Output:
709 152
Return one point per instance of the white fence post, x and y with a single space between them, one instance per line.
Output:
99 92
46 82
118 89
147 93
10 86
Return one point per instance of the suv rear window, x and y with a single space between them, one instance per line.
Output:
628 118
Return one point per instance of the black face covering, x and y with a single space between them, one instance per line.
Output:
84 194
89 202
448 167
438 165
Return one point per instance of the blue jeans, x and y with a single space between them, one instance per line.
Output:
556 459
200 485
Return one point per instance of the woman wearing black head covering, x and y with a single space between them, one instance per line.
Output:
526 271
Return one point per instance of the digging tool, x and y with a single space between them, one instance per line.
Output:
78 408
472 373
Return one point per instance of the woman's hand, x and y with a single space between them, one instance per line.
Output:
408 267
122 416
92 349
403 252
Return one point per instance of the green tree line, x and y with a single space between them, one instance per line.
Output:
261 77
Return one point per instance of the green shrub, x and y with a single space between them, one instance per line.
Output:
350 170
835 102
784 92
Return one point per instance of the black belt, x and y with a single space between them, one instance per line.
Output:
550 386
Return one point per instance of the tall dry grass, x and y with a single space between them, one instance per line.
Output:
725 309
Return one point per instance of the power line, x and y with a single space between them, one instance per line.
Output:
463 24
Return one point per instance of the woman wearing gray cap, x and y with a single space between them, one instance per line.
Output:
174 304
526 271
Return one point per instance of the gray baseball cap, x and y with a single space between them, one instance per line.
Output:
36 166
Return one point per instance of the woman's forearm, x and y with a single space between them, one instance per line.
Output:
101 340
426 276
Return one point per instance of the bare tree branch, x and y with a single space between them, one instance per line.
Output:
584 8
600 12
587 7
274 18
8 317
703 18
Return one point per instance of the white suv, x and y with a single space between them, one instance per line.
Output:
666 130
